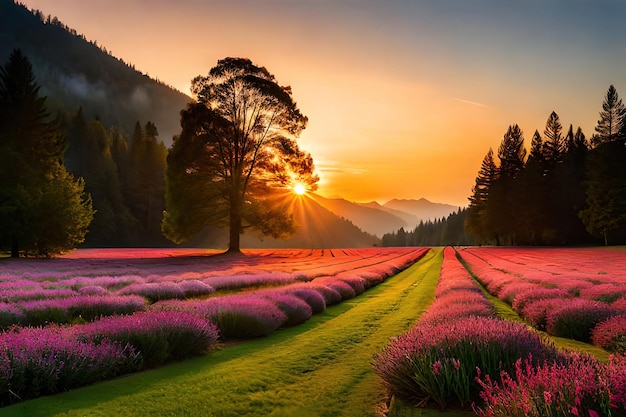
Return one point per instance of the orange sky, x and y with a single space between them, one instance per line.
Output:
404 97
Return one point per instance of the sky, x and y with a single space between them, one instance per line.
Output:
404 97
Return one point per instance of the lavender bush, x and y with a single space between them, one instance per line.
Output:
438 363
85 307
577 318
611 334
159 336
42 361
242 316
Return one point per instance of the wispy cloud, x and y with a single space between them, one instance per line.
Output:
472 103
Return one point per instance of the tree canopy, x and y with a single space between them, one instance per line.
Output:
236 159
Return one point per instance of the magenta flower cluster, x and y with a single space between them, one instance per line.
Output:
42 361
577 385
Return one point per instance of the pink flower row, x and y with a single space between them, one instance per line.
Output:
437 360
554 301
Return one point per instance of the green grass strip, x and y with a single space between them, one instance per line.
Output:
320 368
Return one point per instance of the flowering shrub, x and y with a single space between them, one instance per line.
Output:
576 318
159 336
607 293
578 385
438 363
537 293
155 291
42 361
330 295
310 296
611 334
343 288
241 316
92 290
10 314
35 294
86 307
620 304
358 284
297 311
195 288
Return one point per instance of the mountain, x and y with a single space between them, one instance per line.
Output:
73 72
422 209
370 217
317 228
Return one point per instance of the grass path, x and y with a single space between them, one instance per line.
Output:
320 368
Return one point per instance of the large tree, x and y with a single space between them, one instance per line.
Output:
236 155
43 209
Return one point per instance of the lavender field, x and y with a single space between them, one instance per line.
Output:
96 315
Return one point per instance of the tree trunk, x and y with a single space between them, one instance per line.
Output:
235 224
15 247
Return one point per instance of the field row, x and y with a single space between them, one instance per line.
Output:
162 317
459 356
574 293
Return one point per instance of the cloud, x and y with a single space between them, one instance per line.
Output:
472 103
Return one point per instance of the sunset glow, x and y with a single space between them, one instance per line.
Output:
299 189
404 99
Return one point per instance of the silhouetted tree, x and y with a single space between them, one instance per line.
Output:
236 152
554 143
605 214
43 209
146 183
476 220
440 232
503 211
611 123
569 189
534 195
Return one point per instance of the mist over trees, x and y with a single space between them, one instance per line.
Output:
75 72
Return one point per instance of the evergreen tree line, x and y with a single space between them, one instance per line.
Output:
44 209
567 190
125 178
445 231
68 181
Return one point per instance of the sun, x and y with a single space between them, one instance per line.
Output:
299 188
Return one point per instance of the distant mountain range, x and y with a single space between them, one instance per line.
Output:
379 219
73 72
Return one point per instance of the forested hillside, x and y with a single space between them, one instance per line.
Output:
74 72
114 120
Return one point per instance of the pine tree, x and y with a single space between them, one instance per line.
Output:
611 124
554 144
476 221
35 183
